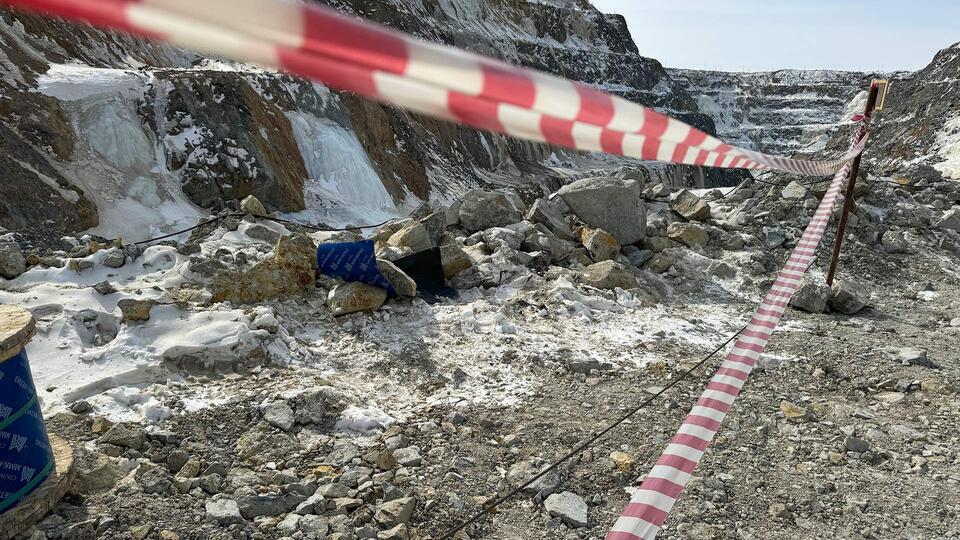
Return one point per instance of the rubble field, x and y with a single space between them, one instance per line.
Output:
217 386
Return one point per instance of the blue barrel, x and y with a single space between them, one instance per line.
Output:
26 459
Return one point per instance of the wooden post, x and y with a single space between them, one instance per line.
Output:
848 196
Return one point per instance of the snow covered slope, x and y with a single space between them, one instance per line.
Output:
123 137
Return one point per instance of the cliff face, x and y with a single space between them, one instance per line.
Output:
96 127
780 112
919 130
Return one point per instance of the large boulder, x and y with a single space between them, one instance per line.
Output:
545 241
454 260
812 297
354 297
847 297
608 275
12 263
548 214
611 204
481 210
601 244
401 282
690 206
688 234
417 236
252 205
292 269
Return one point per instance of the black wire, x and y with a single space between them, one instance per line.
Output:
171 235
258 216
579 449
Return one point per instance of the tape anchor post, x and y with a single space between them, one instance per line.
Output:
875 102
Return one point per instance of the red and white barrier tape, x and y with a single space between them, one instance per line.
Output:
423 77
651 504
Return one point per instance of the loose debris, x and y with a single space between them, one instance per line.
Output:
266 400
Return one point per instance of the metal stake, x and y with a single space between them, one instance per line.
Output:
851 185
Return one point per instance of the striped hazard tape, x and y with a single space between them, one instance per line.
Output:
423 77
651 504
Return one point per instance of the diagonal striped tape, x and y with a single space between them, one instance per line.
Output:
650 506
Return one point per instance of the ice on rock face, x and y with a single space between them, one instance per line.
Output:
343 184
116 133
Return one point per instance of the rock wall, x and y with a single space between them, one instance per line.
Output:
780 112
120 136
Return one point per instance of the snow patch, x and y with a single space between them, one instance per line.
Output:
947 147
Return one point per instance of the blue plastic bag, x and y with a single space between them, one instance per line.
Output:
352 261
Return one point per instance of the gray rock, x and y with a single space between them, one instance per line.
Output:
408 457
311 408
855 444
314 526
611 204
98 474
416 236
356 476
115 258
262 233
545 241
400 532
950 220
690 206
395 512
569 507
401 282
314 504
482 210
176 460
354 297
105 288
774 237
638 257
498 237
289 524
279 414
812 297
454 260
794 190
223 511
156 481
211 483
915 357
436 224
252 205
252 506
894 242
688 234
601 245
521 472
333 491
136 310
12 262
127 437
608 275
847 297
549 215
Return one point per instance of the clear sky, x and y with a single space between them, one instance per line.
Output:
761 35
